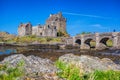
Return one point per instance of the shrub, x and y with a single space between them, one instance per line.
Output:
107 75
71 72
62 34
11 73
49 39
67 71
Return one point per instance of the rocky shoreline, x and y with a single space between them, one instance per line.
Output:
37 68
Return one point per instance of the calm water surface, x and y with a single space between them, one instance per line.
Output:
54 54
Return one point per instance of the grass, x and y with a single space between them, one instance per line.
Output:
107 75
109 43
11 73
93 43
67 71
32 38
72 72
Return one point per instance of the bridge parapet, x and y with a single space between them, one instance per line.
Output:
106 34
85 35
89 35
119 34
77 37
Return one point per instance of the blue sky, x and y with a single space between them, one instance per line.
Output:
82 15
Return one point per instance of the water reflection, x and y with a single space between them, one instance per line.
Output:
7 51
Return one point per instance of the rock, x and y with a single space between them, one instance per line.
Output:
36 42
88 63
62 46
117 52
85 46
34 66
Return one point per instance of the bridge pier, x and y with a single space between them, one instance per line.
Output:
83 45
99 46
97 40
82 42
116 40
73 38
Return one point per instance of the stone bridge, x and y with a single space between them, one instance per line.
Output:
100 40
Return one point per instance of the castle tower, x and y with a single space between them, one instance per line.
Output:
25 29
58 21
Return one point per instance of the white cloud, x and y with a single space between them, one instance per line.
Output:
93 16
99 26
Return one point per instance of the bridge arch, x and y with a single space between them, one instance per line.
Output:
78 41
107 41
88 42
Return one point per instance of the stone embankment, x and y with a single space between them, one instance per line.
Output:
38 68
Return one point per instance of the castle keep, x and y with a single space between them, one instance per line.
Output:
54 24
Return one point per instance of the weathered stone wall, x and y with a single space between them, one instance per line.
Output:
25 29
53 24
37 30
57 20
21 31
49 31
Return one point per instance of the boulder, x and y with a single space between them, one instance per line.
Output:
85 46
88 63
62 46
36 42
34 66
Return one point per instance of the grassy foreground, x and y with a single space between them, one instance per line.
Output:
71 72
12 73
68 72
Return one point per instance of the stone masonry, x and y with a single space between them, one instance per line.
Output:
57 20
100 38
54 24
25 29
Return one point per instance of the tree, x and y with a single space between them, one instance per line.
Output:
62 34
84 33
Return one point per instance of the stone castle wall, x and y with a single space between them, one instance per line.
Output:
24 29
53 24
57 20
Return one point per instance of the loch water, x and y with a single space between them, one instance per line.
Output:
54 52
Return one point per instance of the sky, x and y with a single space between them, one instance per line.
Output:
82 15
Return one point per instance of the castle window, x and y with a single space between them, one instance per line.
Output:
27 33
56 19
48 26
55 27
41 34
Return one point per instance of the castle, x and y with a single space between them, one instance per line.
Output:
54 24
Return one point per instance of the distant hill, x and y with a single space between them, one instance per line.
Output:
6 36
